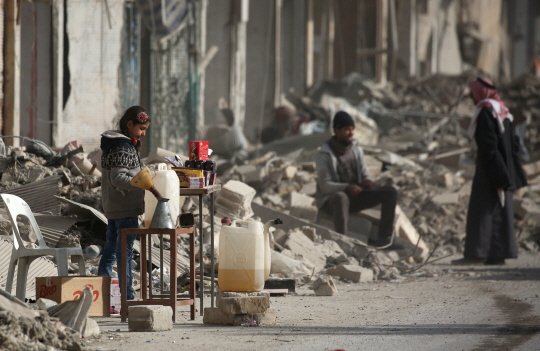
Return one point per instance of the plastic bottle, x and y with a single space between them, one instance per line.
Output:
167 183
241 257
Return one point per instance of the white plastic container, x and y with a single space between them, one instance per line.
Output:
241 257
167 183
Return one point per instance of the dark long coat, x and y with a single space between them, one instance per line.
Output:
490 227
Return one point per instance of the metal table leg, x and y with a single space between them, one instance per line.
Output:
201 261
212 248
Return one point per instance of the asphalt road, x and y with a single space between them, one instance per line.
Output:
440 307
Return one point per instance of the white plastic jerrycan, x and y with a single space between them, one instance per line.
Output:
244 256
167 183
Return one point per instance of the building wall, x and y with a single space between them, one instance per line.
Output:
36 73
94 61
218 32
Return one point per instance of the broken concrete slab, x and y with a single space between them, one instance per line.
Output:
324 286
150 318
405 230
356 274
333 252
284 266
349 245
304 247
242 302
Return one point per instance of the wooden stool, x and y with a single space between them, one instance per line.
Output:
173 299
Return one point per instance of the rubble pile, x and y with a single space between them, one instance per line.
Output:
414 138
22 328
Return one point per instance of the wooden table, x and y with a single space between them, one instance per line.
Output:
172 299
210 190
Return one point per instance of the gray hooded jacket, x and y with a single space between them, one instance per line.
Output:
120 162
327 176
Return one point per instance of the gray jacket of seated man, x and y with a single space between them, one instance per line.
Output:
327 176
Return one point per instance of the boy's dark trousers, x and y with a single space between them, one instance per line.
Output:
341 204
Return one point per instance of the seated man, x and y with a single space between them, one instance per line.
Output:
344 185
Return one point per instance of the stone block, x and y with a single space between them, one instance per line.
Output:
446 198
356 274
242 303
214 315
149 318
302 206
324 286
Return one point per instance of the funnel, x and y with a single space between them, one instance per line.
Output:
162 218
143 180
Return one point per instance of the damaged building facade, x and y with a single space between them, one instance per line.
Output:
69 67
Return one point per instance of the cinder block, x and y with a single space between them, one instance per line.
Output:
213 315
242 303
149 318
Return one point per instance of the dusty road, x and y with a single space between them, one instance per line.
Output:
445 308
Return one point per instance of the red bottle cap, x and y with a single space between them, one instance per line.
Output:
225 221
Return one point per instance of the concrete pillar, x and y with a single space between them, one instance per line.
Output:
58 70
12 79
238 61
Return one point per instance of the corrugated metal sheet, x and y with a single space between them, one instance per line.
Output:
181 262
41 267
39 195
53 227
83 210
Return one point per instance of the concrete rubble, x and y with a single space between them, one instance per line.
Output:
24 328
412 141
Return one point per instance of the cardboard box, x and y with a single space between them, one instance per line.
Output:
61 289
198 150
185 173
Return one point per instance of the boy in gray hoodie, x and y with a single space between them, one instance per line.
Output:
122 202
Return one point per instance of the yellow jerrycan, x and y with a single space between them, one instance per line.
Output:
244 256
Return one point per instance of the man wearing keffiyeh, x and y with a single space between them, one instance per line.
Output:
490 219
